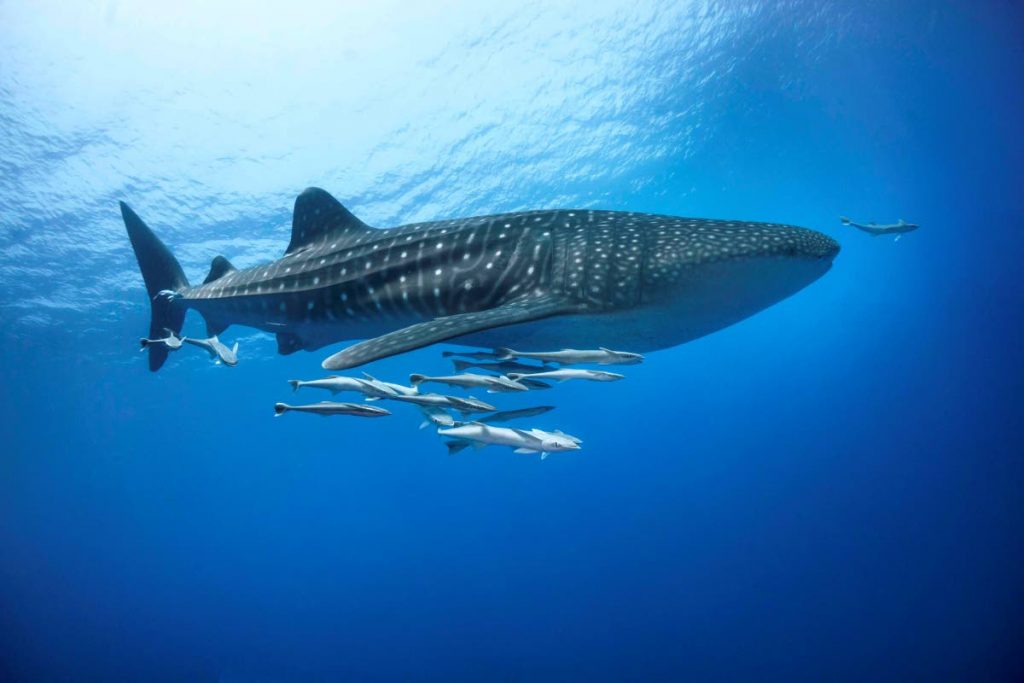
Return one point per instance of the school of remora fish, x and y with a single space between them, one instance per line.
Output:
505 373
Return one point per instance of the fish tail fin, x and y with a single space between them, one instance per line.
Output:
461 365
456 446
279 409
844 220
164 279
416 379
447 354
295 384
504 353
143 343
514 376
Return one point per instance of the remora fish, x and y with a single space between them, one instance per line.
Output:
523 441
436 416
475 355
566 374
601 356
463 405
506 415
492 384
336 384
550 278
379 389
216 348
171 341
501 368
332 408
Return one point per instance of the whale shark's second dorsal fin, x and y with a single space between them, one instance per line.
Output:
319 217
218 269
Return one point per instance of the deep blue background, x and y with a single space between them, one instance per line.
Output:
830 490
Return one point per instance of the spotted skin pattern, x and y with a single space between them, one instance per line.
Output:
418 284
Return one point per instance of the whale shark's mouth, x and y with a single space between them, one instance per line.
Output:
822 246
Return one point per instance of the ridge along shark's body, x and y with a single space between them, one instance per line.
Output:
546 278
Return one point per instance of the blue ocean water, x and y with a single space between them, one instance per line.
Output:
830 490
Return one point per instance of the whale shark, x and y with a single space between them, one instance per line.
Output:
546 278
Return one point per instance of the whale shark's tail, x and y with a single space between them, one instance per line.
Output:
163 276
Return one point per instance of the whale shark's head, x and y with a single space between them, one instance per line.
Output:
712 274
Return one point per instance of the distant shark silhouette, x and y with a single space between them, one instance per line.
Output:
534 279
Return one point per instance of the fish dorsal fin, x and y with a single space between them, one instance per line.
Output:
319 217
218 269
568 436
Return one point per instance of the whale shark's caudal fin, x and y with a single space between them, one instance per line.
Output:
163 277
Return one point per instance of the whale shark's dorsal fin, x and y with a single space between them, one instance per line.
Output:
218 269
423 334
319 217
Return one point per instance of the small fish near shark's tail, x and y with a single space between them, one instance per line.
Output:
163 277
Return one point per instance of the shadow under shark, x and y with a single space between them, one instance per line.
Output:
553 278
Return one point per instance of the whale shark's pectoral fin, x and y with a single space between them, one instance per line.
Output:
424 334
